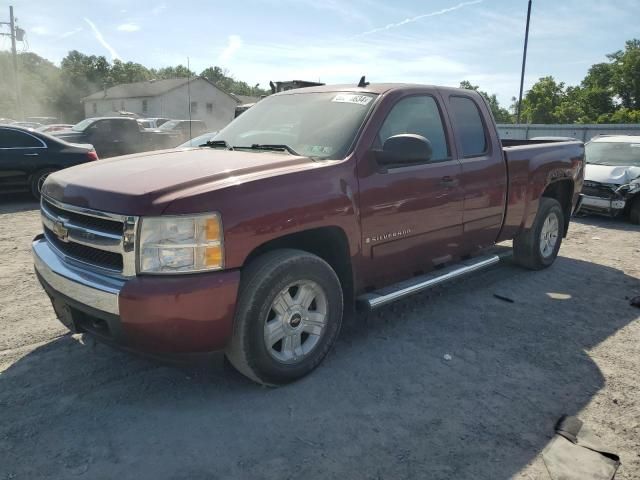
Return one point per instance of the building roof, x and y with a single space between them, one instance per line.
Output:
244 99
147 88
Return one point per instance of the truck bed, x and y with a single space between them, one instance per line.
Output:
531 165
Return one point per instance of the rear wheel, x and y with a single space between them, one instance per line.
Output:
634 211
288 316
37 181
537 247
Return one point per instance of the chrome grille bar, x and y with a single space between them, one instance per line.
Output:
70 225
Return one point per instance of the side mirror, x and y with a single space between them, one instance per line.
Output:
405 148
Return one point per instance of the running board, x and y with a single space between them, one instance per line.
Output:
401 290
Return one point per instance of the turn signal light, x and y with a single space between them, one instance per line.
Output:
92 155
213 256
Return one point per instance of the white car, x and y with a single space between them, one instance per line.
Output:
612 176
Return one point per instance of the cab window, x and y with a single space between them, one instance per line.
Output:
419 115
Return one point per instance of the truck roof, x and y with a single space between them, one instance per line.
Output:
377 88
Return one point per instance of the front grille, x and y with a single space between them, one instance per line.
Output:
595 189
97 239
93 256
87 221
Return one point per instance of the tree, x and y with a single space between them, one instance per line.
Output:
625 79
221 78
541 101
500 114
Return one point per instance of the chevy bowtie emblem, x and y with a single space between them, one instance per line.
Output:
60 231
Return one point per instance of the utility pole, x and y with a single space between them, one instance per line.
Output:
13 32
524 61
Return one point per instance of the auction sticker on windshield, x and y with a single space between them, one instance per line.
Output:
352 98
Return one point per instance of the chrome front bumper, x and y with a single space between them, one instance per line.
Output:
92 289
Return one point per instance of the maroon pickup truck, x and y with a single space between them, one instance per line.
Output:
311 203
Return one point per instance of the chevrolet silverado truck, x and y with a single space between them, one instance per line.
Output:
310 204
112 136
612 177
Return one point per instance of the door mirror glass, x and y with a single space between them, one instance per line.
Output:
405 148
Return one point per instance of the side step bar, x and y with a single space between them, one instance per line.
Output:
378 298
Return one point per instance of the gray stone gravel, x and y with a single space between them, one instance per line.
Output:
385 404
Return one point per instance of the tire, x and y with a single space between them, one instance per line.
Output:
634 211
537 247
273 293
37 179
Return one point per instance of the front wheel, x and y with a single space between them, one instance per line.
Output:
288 316
634 211
37 181
537 247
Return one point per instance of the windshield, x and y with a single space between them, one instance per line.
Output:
81 126
198 141
170 125
616 154
320 125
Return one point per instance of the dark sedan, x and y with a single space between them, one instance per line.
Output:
27 157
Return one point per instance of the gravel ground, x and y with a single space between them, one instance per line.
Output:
384 405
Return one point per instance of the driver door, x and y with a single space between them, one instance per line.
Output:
411 215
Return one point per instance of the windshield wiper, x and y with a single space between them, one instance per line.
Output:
276 147
216 143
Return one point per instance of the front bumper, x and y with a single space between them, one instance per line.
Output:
607 206
168 314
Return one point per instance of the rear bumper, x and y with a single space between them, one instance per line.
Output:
162 315
606 206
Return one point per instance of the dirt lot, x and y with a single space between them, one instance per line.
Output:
385 404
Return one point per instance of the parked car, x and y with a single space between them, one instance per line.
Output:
42 120
152 122
28 157
32 125
181 128
198 141
113 136
308 204
612 177
54 127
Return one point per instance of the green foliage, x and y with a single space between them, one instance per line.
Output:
57 91
500 114
609 93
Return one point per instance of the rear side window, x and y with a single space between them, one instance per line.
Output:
418 115
469 127
15 139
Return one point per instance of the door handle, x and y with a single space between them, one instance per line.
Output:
30 154
448 181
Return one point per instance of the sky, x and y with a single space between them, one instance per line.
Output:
439 42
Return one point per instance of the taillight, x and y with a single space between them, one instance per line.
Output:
92 155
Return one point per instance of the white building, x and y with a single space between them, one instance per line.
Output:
166 98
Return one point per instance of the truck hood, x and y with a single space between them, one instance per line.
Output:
610 174
145 184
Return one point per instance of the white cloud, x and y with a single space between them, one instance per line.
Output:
419 17
102 41
128 27
158 9
39 30
234 44
70 33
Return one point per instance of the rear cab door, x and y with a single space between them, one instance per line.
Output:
21 155
484 172
411 215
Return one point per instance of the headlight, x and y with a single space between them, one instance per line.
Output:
180 244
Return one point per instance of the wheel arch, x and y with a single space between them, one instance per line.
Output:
562 191
329 243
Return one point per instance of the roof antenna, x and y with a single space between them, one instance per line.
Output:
362 83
